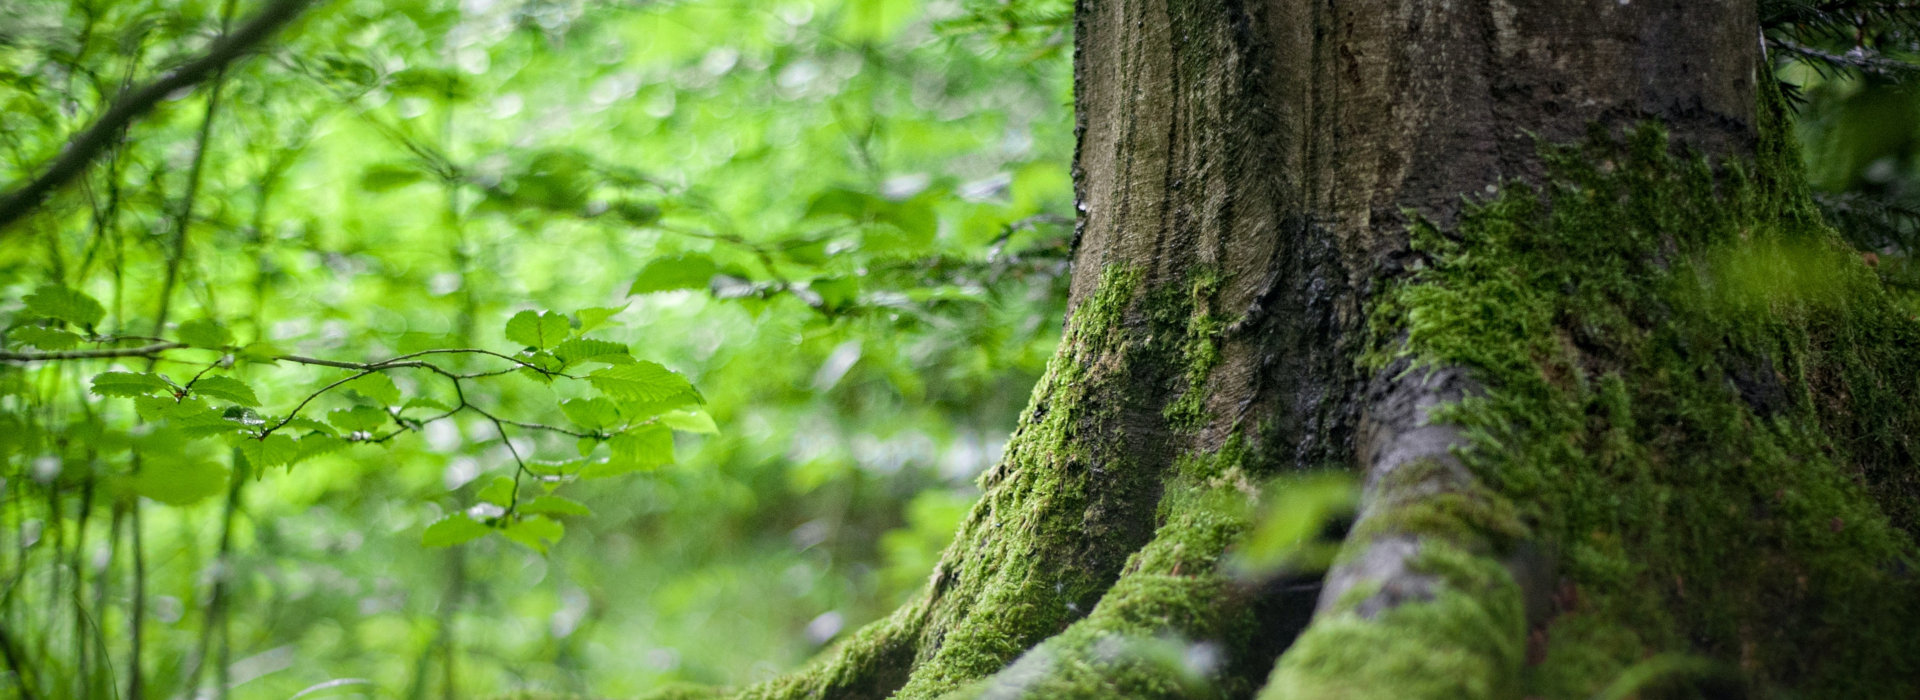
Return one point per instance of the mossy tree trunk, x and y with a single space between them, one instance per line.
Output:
1628 418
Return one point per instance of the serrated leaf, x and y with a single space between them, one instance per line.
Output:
424 402
152 408
644 388
315 445
538 330
310 425
642 448
695 421
70 305
357 419
591 414
244 416
687 271
594 317
205 333
453 529
498 492
378 388
272 451
537 532
585 349
130 384
195 419
556 505
226 388
46 338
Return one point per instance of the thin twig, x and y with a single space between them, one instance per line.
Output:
132 104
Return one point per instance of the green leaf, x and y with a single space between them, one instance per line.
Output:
637 213
840 201
46 338
205 333
538 330
537 532
310 425
836 292
424 402
593 318
153 408
555 505
315 445
694 421
591 414
72 306
130 384
272 451
194 419
383 177
261 353
645 388
589 349
358 419
226 388
378 388
642 448
244 416
498 492
686 271
555 179
453 529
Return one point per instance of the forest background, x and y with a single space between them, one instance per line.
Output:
725 304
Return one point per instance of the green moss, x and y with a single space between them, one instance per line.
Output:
1699 398
1050 535
1463 644
1173 624
1468 516
1199 346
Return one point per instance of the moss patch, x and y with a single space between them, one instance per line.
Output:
1464 643
1700 398
1073 498
1174 625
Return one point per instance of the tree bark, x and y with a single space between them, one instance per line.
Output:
1357 234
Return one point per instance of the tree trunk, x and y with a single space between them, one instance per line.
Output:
1630 419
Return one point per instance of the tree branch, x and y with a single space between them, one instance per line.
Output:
132 104
101 353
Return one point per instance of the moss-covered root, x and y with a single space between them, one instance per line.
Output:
1173 626
1461 634
1427 597
871 664
1426 601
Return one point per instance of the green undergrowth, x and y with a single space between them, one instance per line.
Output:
1701 401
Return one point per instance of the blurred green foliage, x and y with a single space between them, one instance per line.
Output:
781 272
